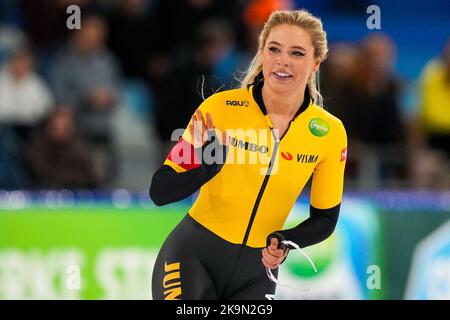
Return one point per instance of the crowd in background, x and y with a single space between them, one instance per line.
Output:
60 90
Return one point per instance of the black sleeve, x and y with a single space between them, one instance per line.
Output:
319 226
169 186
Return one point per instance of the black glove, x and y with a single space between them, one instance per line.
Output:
281 245
212 154
280 238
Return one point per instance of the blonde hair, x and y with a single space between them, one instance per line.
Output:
310 24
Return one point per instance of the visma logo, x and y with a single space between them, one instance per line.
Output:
171 281
307 158
301 157
287 156
236 103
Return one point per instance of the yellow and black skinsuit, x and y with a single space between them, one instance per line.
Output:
215 251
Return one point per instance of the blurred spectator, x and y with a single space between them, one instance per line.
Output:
86 78
335 78
376 89
11 39
132 36
178 63
179 20
24 101
210 68
174 35
432 138
45 21
58 157
217 38
375 128
435 102
24 97
12 172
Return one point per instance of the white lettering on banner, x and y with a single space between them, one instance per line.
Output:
34 274
58 274
125 273
73 280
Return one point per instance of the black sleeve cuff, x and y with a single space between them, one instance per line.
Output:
319 226
280 237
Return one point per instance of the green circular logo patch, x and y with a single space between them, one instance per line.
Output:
319 127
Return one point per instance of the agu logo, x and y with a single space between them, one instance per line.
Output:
172 281
319 127
236 103
301 157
